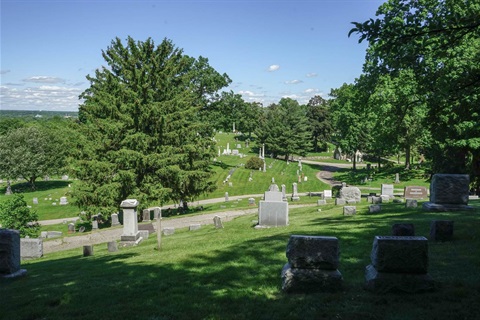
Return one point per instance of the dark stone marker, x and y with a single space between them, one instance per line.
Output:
441 230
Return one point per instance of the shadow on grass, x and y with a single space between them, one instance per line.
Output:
25 187
229 277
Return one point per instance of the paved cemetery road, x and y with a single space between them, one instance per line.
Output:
327 170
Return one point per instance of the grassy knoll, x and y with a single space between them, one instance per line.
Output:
234 273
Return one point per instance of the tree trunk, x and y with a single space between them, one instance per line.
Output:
31 181
407 157
354 161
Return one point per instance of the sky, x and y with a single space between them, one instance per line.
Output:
269 49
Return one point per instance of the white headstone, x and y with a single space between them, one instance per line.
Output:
130 220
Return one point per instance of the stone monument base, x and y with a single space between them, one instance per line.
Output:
382 282
310 280
17 274
430 206
129 241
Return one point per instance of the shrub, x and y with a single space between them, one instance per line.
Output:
254 163
15 214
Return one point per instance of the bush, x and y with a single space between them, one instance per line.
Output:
15 214
254 163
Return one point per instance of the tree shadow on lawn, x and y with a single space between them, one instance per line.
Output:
25 187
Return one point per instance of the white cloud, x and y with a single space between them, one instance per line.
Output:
273 67
44 79
293 81
311 75
311 90
4 71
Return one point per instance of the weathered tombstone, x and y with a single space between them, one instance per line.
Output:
349 210
64 177
144 234
284 193
273 187
251 201
398 264
115 221
217 221
376 200
54 234
312 264
327 194
71 228
295 196
448 192
273 211
130 234
43 234
411 203
415 192
87 251
112 246
157 212
441 230
374 208
146 215
10 254
194 227
387 190
403 230
321 202
226 196
35 200
31 248
384 198
94 224
168 231
63 201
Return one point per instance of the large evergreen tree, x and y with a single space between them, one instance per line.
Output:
140 117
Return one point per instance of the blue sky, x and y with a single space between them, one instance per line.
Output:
270 49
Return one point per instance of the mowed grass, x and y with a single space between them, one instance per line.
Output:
234 273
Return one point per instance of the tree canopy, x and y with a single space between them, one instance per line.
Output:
143 134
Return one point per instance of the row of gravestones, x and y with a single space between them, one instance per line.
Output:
398 264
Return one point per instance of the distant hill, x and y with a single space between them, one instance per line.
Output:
31 114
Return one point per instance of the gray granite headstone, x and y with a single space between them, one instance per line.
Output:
403 230
349 210
193 227
87 251
351 193
10 254
441 230
35 200
387 190
448 192
115 221
313 252
31 248
112 246
374 208
217 221
168 231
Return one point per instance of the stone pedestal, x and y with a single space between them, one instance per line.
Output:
448 192
31 248
130 235
10 254
273 213
312 264
398 264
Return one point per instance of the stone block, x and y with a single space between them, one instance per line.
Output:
194 227
403 230
54 234
350 193
441 230
352 201
411 203
340 202
273 196
384 282
449 189
376 200
9 251
144 234
310 280
112 246
87 251
387 190
321 202
31 248
349 210
313 252
400 254
168 231
273 213
374 208
384 199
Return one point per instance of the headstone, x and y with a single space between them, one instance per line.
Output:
217 221
115 221
87 251
273 196
54 234
226 196
441 230
130 235
351 193
376 200
415 192
448 192
398 264
273 211
64 177
251 201
194 227
168 231
112 246
327 194
35 200
146 227
340 202
94 224
321 202
312 264
71 228
374 208
387 190
31 248
349 210
10 254
9 189
397 178
144 234
146 215
273 187
384 198
411 203
284 193
403 230
295 196
63 201
157 213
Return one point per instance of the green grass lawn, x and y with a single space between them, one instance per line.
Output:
234 273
